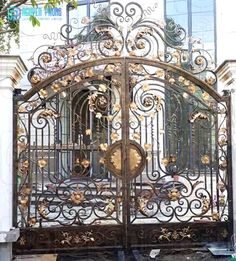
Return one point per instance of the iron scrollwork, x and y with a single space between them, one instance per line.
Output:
114 97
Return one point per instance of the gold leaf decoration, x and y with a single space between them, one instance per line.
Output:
85 163
64 83
192 88
89 72
205 159
140 45
77 197
108 44
43 93
181 79
116 159
102 160
56 87
102 88
146 87
72 51
21 146
174 194
25 164
42 209
32 221
109 208
103 146
35 78
133 106
171 80
85 20
205 204
160 73
110 68
46 58
147 146
199 60
42 163
88 132
186 83
114 136
222 200
215 216
98 115
165 161
78 78
205 96
142 205
77 161
141 117
210 80
134 158
132 53
109 117
221 186
116 107
223 165
136 135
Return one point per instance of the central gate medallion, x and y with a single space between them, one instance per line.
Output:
115 158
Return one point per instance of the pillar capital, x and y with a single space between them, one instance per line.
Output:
226 74
12 69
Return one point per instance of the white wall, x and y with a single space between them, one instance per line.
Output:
226 30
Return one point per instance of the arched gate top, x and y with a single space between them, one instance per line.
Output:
118 32
47 82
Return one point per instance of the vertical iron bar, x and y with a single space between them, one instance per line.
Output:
30 164
229 172
125 144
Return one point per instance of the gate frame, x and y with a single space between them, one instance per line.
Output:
29 236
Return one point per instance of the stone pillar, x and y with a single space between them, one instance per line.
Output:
226 73
12 69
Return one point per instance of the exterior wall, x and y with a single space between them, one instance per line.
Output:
226 30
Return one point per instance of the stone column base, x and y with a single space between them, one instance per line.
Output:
6 239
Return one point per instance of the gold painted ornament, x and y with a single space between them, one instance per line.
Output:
56 87
205 159
43 93
35 78
77 197
174 194
42 163
103 146
85 163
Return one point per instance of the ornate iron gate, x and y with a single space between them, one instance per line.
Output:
115 149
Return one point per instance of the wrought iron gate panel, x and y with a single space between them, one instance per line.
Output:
122 151
184 166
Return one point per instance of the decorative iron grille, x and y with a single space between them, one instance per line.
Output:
122 140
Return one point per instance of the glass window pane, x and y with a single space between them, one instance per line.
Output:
203 22
76 16
202 5
176 7
205 36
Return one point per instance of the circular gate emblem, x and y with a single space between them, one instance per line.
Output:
115 160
